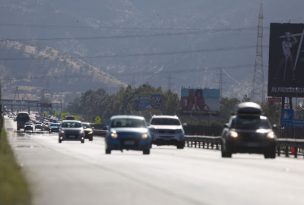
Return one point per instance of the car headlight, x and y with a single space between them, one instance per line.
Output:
62 131
233 134
114 135
144 135
81 131
270 135
90 131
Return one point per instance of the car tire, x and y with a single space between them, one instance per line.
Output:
180 145
108 151
59 141
82 141
270 155
225 152
146 151
91 138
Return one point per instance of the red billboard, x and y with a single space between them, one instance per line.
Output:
200 101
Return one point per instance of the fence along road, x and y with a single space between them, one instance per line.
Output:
75 173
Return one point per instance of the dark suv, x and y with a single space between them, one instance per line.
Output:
248 132
22 118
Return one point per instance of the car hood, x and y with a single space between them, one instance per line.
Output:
167 127
130 129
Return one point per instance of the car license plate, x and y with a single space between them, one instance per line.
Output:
129 142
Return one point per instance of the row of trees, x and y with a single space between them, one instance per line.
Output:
98 105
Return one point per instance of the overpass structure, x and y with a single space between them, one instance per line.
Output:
29 105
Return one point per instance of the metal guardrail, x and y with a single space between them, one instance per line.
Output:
285 146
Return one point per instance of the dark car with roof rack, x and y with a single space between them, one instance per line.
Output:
248 131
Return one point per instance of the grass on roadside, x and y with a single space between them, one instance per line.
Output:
14 189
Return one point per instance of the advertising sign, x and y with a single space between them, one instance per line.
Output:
286 60
146 102
200 101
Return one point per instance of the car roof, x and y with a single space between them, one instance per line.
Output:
128 117
249 108
166 116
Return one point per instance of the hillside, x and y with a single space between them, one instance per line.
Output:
168 43
47 68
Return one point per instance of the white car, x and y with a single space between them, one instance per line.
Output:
167 130
29 126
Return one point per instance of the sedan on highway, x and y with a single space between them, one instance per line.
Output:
248 132
88 130
129 133
71 130
54 127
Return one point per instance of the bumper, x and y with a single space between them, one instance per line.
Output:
168 139
128 144
88 136
75 137
258 147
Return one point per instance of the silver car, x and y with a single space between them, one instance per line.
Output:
71 130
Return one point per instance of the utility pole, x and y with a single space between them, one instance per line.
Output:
258 88
221 83
169 81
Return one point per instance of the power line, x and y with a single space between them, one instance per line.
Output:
164 53
39 77
19 25
193 32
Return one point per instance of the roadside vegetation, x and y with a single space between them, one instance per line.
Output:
98 105
14 189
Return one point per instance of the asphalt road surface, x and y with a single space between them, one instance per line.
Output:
72 173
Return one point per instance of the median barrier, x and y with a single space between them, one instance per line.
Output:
285 146
100 132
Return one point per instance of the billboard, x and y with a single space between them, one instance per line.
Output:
200 101
147 102
286 60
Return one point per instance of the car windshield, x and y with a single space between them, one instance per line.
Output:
127 122
54 125
164 121
250 123
71 125
86 125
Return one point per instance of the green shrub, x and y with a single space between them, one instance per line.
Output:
14 189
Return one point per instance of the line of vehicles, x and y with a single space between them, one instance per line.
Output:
248 131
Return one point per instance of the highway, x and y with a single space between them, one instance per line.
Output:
72 173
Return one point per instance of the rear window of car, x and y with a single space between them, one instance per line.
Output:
164 121
86 125
127 122
23 116
71 125
250 123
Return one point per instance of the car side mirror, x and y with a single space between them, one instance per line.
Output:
226 125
